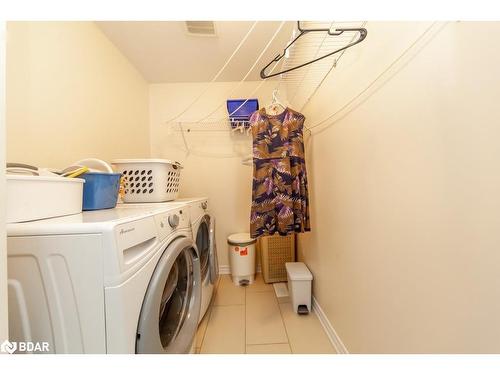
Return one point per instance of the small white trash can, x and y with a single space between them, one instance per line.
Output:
242 258
299 286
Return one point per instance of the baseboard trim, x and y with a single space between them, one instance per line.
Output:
226 270
328 327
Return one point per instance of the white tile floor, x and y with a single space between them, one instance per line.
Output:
250 320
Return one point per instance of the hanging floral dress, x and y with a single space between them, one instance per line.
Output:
279 197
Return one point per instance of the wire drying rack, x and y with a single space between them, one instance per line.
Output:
297 86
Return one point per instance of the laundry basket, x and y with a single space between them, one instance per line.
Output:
149 180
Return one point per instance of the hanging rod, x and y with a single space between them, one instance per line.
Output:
338 31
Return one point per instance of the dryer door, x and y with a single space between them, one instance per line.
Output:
203 245
213 260
171 307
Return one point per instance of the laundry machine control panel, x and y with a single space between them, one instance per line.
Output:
170 221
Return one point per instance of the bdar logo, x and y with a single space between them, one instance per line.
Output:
8 347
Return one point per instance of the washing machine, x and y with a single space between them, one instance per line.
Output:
124 280
203 228
203 233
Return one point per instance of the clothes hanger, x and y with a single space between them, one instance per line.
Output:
362 35
273 107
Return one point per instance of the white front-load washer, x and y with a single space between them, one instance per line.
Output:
124 280
203 233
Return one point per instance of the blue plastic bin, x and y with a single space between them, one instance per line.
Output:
241 115
100 190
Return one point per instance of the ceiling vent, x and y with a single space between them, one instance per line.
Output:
201 28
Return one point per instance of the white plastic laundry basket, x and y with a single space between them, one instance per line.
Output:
149 180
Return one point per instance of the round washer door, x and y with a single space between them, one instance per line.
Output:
203 245
171 306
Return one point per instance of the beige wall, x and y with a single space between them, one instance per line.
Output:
4 324
71 94
405 196
213 165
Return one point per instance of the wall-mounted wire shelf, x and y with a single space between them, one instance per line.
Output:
222 125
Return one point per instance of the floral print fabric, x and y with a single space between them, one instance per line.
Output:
279 196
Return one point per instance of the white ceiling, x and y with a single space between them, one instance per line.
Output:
163 51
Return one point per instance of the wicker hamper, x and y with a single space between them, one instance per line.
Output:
275 251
